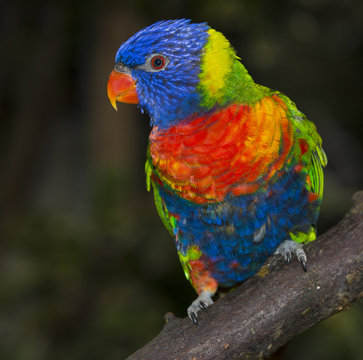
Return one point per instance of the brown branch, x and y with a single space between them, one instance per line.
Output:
280 302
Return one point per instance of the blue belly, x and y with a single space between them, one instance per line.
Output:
227 232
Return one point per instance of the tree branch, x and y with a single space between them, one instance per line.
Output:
275 305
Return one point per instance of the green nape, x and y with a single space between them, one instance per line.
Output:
223 78
239 87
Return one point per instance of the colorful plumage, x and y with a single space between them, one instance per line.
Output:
235 167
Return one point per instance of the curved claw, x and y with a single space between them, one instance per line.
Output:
203 305
201 302
301 256
288 248
193 316
303 264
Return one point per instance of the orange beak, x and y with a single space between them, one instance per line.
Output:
121 87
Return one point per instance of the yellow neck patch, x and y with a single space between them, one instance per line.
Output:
217 63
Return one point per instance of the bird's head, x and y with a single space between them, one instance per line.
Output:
173 69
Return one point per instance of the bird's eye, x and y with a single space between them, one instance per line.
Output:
154 63
158 62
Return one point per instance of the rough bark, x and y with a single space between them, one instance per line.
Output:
275 305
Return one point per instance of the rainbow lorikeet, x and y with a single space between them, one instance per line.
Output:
235 167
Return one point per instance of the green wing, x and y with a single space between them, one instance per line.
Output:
167 219
314 160
306 129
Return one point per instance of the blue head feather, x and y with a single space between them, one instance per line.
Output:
169 95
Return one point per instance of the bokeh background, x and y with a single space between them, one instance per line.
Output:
86 268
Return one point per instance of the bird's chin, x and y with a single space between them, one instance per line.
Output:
121 87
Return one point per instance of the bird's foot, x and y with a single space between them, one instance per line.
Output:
201 302
288 248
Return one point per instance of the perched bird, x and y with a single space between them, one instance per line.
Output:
235 167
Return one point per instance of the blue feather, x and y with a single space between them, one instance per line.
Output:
224 232
168 96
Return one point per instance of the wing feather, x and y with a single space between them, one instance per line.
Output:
306 129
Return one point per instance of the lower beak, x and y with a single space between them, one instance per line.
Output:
121 87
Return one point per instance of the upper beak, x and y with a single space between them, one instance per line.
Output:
121 87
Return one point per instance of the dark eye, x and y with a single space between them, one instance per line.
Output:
157 62
154 63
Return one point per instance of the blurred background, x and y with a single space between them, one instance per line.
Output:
87 269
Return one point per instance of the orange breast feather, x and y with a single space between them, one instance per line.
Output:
236 150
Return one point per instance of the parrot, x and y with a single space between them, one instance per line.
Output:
235 168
